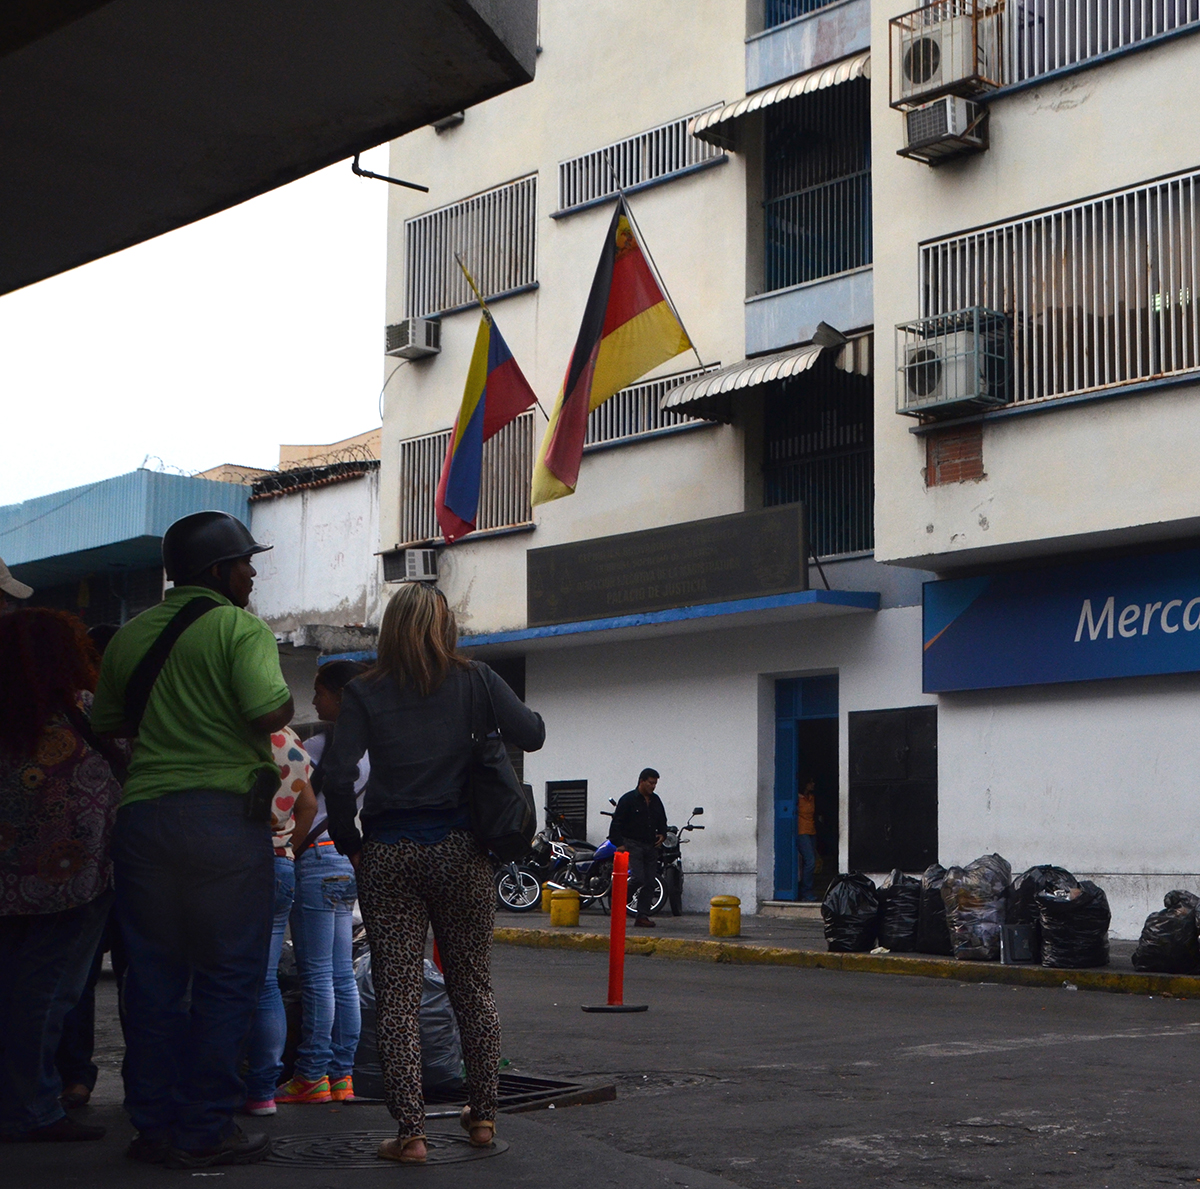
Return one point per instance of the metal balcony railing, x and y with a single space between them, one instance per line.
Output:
1098 294
818 231
779 12
504 492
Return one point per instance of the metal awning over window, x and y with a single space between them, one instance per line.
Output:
717 126
708 396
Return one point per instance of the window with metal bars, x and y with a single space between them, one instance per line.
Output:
779 12
634 163
818 450
1046 35
817 185
494 232
634 411
1098 294
504 489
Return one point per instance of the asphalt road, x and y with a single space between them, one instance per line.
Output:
773 1077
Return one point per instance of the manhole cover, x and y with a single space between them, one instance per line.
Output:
356 1149
660 1083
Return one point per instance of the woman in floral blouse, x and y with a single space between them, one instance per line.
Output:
58 801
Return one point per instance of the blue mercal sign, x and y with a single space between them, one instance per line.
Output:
1126 617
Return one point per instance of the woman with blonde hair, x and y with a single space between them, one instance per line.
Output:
419 862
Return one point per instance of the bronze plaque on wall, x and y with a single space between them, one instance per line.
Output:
743 556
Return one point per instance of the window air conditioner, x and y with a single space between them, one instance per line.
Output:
939 56
947 127
951 363
410 565
414 338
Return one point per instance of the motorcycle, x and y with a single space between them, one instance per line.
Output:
551 859
671 861
669 879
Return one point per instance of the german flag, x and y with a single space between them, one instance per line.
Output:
628 328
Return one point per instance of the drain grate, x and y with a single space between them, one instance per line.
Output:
356 1149
518 1092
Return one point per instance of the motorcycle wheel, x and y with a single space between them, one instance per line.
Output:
673 880
520 894
656 902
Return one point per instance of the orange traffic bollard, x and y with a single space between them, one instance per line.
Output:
616 942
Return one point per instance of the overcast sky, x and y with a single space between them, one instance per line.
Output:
212 344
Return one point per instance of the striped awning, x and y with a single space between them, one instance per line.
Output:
708 396
717 126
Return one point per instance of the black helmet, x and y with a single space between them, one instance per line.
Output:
191 545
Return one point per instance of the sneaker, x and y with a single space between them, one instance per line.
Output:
147 1149
342 1090
299 1090
265 1107
236 1148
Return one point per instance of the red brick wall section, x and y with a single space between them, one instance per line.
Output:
954 455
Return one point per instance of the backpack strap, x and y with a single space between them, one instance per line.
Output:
141 682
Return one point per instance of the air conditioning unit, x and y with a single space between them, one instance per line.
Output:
410 565
939 56
947 127
951 363
414 338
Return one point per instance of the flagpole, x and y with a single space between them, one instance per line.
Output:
646 249
488 313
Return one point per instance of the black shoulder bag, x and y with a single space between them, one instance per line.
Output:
141 681
503 815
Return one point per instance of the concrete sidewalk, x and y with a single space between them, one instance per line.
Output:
775 941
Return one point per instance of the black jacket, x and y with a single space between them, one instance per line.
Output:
636 820
420 747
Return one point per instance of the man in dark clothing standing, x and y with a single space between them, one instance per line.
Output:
639 825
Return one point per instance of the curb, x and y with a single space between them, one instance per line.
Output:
1181 986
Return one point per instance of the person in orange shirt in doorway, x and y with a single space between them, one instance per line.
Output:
806 827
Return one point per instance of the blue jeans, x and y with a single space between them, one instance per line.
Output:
264 1054
322 928
808 863
44 964
195 891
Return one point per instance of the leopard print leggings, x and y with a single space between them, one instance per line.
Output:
402 888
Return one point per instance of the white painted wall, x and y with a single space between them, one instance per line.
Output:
1098 777
1101 473
683 58
323 568
700 708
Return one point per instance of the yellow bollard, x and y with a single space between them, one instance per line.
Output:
725 916
546 891
564 907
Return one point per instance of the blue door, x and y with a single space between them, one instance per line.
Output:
800 703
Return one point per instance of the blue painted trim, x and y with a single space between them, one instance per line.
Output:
346 656
1099 60
630 439
699 167
865 600
1060 402
474 305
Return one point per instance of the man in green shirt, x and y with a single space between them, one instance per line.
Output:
192 852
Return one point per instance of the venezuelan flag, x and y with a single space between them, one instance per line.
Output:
496 393
628 328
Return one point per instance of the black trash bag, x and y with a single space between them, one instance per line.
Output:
1168 943
850 912
974 897
933 931
1022 898
441 1049
899 907
1075 927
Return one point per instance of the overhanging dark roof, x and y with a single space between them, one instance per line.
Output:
124 120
